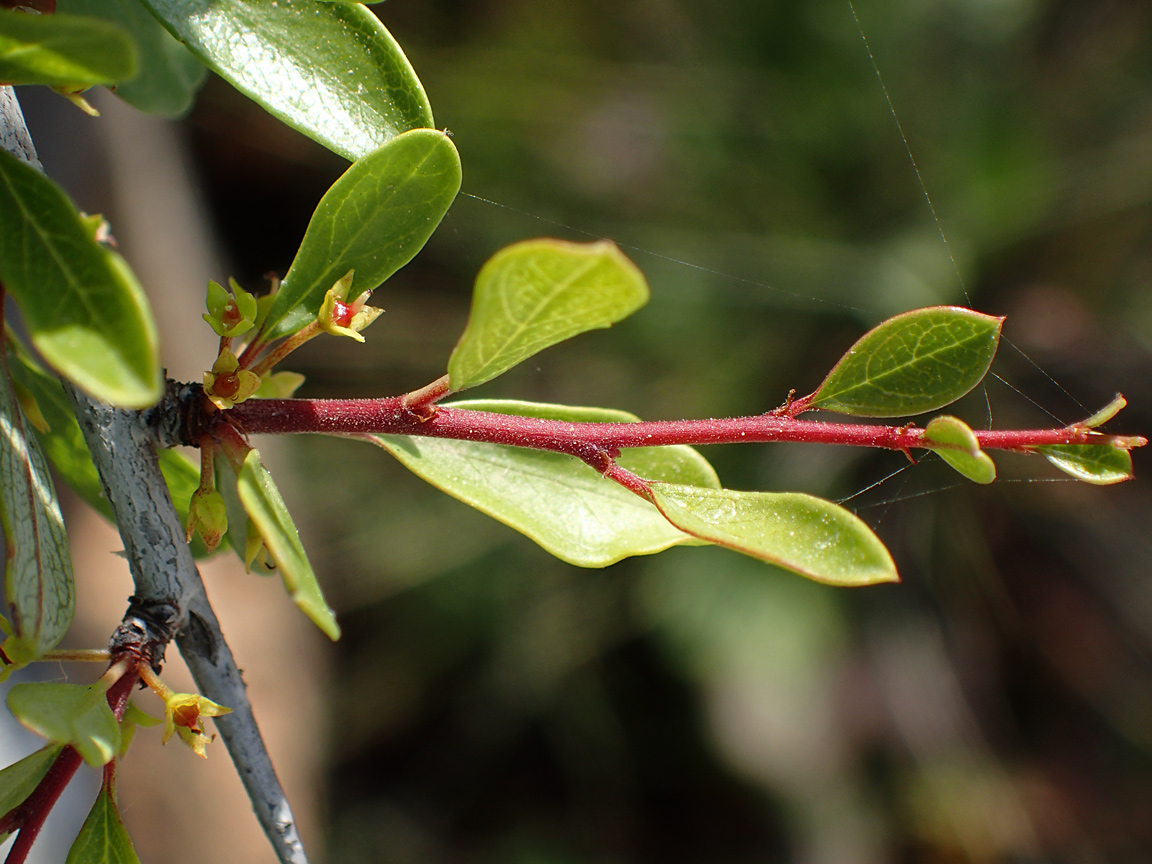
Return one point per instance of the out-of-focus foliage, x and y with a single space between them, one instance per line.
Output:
496 704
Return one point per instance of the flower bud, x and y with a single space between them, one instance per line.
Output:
230 314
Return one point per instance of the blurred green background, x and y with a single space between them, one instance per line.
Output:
491 704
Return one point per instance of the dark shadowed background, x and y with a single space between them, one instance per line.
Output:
491 704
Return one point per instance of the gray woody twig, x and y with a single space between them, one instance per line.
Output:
123 445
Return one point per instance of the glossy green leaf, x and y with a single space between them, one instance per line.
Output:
38 581
798 532
558 501
1100 464
916 362
19 779
373 220
167 76
266 509
84 310
68 714
330 70
103 838
956 443
70 51
63 443
534 294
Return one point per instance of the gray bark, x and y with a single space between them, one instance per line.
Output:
123 445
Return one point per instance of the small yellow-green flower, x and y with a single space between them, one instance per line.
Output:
182 715
341 318
227 384
230 314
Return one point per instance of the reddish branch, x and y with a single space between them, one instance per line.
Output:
394 416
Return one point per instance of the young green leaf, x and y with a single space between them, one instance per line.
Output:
68 714
38 571
266 509
85 312
1099 464
1106 413
556 500
103 838
373 220
534 294
168 74
330 70
957 445
798 532
19 779
69 51
918 361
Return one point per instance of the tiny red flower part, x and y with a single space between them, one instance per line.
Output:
230 314
227 384
182 716
341 318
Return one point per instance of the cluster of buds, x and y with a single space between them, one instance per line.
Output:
234 312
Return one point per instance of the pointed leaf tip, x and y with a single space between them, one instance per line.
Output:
807 535
103 839
915 362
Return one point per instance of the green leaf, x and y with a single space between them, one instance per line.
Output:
556 500
168 74
266 509
916 362
798 532
38 581
373 220
19 779
67 51
103 838
534 294
957 445
1106 413
63 443
330 70
84 310
1099 464
69 714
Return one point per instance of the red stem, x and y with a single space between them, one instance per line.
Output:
391 416
29 817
